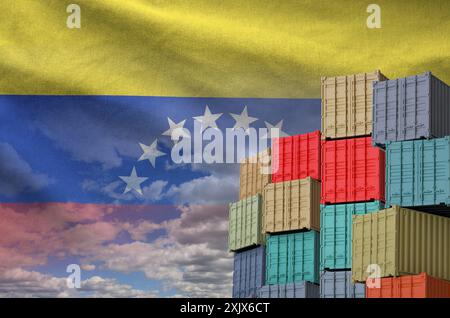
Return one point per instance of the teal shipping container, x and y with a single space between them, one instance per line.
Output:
292 258
336 232
418 173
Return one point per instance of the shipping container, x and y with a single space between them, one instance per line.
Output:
347 105
417 173
336 232
411 286
292 258
291 205
399 241
294 290
410 108
249 271
245 223
352 171
255 174
296 157
338 284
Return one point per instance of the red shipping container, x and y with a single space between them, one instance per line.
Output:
411 286
352 171
296 157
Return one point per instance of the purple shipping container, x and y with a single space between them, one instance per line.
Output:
410 108
248 274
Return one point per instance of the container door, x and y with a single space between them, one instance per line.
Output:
363 103
407 174
393 112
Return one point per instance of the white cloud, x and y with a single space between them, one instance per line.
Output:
211 189
17 282
192 258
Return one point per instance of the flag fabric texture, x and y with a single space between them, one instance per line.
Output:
87 115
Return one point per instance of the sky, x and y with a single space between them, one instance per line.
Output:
63 201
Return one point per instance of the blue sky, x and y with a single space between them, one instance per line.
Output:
72 149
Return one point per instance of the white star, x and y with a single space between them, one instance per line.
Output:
133 182
176 130
208 119
150 152
243 120
279 126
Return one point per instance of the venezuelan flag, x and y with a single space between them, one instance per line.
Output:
87 181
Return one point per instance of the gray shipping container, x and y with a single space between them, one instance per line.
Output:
295 290
410 108
339 285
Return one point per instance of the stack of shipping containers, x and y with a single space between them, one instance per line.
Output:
352 176
291 218
367 196
408 243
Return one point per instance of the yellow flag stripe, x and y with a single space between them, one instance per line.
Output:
212 48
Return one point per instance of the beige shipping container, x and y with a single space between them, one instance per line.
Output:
399 241
347 105
291 205
255 174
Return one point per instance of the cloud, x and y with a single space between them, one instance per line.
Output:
210 189
189 257
87 136
138 231
17 282
192 258
33 232
16 175
151 193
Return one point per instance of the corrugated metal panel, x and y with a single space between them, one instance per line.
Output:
418 172
339 285
401 242
409 108
347 105
411 286
292 258
253 178
294 290
291 205
336 232
249 271
352 171
296 157
245 223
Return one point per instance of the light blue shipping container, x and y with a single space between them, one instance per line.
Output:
336 232
418 173
339 285
292 257
248 274
294 290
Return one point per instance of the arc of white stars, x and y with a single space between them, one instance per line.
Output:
208 119
133 182
150 153
176 130
243 120
269 126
